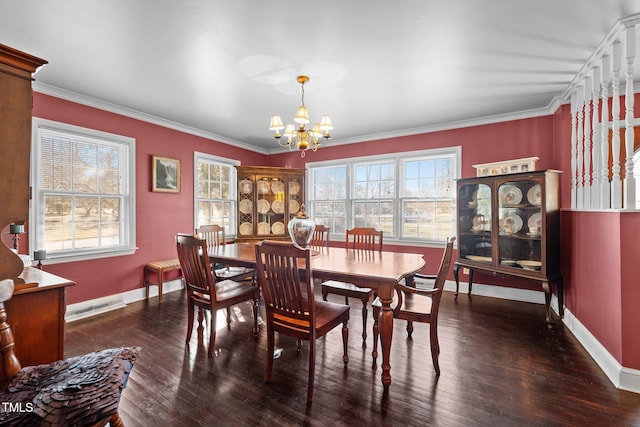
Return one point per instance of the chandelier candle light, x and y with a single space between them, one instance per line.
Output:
302 138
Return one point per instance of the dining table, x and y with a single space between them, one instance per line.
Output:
379 270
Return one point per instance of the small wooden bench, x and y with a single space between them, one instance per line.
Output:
159 268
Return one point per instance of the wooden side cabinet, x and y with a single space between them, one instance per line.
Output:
510 225
35 313
268 198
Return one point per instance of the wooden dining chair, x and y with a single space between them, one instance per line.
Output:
285 276
214 236
359 238
204 292
77 391
415 304
320 236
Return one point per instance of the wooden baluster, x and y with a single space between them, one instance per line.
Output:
605 185
574 150
595 137
579 147
629 179
586 192
616 184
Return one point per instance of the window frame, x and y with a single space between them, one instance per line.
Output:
128 192
233 189
398 159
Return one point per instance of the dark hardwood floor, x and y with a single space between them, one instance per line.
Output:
501 366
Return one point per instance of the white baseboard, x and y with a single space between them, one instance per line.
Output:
92 307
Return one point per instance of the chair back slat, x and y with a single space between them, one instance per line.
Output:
284 274
212 234
320 236
194 261
364 238
442 276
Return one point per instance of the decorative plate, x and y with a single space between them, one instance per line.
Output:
294 187
245 228
245 186
277 187
263 187
535 220
479 258
529 264
263 228
510 195
277 228
245 206
263 206
512 223
277 206
294 206
534 195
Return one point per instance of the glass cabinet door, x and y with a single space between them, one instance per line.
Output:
245 206
520 224
475 223
270 208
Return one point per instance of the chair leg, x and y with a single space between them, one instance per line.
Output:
312 368
229 317
435 346
255 318
201 320
212 333
115 421
376 333
364 319
190 315
325 292
345 343
270 345
409 328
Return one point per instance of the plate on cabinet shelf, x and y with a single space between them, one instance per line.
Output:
277 228
277 187
479 258
294 206
534 195
245 206
535 223
510 195
512 223
263 206
245 186
294 187
508 262
263 187
245 228
529 264
263 228
277 206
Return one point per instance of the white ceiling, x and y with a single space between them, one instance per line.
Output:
379 68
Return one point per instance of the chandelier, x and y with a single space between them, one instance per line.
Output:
301 138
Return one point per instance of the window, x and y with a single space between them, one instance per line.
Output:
215 195
409 196
83 192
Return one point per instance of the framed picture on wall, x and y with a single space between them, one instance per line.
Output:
166 175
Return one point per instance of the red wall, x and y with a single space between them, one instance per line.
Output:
159 215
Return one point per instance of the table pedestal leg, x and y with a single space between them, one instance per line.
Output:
386 333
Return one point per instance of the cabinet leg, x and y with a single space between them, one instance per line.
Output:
547 301
470 279
560 287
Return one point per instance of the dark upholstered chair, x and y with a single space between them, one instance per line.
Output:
414 304
214 236
359 238
285 276
77 391
204 292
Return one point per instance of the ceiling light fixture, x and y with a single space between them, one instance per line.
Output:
301 138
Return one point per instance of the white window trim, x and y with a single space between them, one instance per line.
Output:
35 228
456 151
233 182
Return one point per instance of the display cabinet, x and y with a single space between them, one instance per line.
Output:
268 198
510 225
